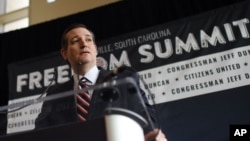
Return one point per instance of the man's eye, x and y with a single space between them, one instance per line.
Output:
89 40
75 41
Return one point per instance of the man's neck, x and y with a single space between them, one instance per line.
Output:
82 69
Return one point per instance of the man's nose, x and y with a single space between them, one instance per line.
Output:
82 43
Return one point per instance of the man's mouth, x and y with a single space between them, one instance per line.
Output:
83 52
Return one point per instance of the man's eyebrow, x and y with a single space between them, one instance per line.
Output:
88 35
76 36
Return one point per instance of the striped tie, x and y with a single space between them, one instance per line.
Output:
83 100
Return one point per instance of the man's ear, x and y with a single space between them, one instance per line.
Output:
63 52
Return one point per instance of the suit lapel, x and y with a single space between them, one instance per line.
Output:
101 75
94 110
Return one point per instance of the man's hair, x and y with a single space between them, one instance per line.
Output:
64 40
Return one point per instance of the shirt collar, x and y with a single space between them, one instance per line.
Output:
91 75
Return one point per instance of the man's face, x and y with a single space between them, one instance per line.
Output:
81 48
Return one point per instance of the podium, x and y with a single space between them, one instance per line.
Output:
119 125
93 130
111 116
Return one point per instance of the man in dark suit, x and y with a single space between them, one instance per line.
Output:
80 51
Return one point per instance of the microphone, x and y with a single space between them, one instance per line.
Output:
132 89
79 63
24 104
78 69
111 94
115 72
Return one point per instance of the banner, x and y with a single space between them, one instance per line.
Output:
196 69
31 78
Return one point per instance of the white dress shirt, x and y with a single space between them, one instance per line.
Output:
91 75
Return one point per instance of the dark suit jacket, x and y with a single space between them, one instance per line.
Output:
63 110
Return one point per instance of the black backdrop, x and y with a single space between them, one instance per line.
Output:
108 21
